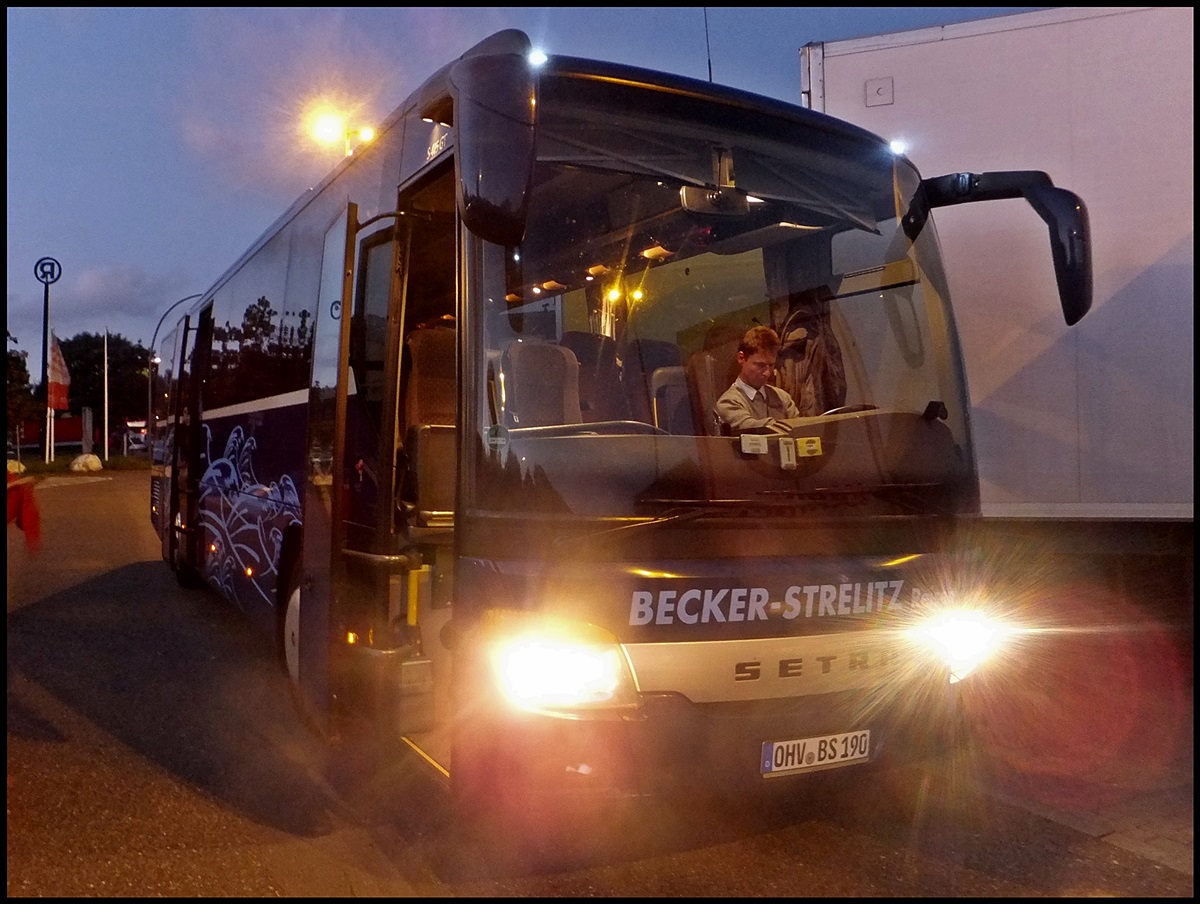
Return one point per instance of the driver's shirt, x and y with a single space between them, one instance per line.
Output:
745 408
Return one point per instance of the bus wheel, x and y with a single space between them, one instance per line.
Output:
185 574
288 645
290 639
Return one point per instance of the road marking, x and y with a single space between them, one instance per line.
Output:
66 481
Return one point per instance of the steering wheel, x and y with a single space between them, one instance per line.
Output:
848 409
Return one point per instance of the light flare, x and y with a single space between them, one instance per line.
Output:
963 639
556 667
535 673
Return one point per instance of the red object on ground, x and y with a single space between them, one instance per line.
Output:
22 509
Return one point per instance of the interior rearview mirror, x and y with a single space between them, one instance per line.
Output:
719 202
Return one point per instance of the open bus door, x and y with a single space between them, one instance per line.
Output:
347 655
309 596
188 452
331 597
383 682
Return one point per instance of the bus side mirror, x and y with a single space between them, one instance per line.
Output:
1071 245
494 118
1063 212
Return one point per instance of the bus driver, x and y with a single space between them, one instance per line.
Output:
752 404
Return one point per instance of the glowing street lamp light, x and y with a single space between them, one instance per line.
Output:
330 127
364 135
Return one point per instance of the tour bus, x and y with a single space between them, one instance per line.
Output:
446 432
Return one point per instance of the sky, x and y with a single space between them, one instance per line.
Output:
148 148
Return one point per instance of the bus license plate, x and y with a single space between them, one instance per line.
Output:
809 754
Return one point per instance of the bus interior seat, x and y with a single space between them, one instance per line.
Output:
710 372
430 399
641 359
670 403
431 396
541 384
600 396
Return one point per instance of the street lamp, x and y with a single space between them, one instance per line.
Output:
330 127
154 359
363 134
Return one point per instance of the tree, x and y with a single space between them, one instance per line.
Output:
257 323
127 376
22 406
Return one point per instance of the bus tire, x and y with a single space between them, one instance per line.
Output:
289 636
288 633
173 540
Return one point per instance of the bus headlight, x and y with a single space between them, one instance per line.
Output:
560 668
963 639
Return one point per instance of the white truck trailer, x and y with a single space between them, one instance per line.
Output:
1084 435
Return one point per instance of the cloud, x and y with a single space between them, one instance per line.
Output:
243 105
117 289
253 140
122 298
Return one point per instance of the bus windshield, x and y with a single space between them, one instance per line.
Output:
657 235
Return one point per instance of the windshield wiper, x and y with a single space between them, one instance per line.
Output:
916 497
671 517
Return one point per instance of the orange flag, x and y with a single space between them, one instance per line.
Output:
59 377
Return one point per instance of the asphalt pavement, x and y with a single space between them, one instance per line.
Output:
1146 808
1094 729
1095 733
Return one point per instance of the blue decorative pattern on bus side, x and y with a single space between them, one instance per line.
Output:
243 520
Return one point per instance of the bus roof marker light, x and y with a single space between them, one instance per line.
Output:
899 146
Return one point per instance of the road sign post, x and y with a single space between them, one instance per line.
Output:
47 270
